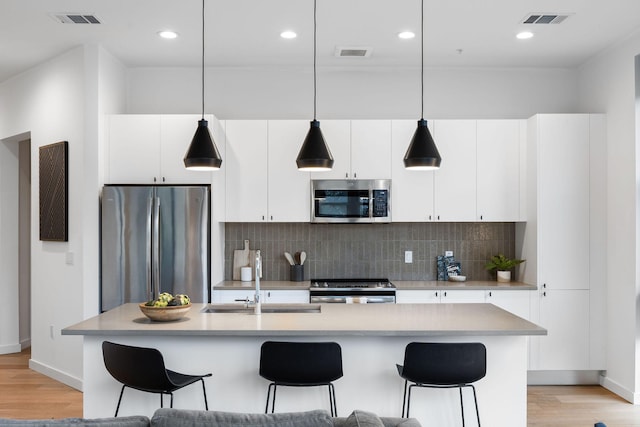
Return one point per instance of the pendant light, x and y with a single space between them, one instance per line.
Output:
314 154
422 153
202 153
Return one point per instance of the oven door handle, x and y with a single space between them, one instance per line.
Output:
332 299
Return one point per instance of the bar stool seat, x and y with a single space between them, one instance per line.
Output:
143 369
443 365
301 364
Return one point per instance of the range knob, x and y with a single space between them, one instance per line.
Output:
325 285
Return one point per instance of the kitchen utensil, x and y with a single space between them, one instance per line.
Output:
243 258
245 274
297 258
289 258
303 257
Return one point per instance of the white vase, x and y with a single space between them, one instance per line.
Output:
504 276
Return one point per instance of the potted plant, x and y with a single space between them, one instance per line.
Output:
502 265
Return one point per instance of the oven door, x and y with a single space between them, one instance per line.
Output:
347 297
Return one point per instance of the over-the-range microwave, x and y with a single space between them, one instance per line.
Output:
351 200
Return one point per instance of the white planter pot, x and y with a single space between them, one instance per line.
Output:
504 276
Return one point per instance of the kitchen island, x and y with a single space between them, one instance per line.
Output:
372 337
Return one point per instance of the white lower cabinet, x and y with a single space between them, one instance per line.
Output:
417 297
267 296
516 302
462 296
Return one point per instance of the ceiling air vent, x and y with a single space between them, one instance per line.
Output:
544 18
353 52
75 18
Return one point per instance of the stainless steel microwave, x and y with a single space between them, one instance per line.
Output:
351 200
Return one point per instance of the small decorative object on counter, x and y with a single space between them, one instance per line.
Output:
166 307
296 262
447 266
502 266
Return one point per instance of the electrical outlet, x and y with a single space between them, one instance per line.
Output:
448 253
408 257
69 258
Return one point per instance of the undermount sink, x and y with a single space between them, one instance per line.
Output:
266 308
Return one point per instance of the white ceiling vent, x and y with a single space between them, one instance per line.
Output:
75 18
545 18
353 52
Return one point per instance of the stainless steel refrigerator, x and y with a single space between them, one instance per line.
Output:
154 239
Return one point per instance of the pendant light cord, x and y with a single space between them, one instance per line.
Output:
202 59
422 60
314 59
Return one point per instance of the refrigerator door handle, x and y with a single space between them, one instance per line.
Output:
148 249
156 247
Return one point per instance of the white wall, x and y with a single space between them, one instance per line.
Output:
272 93
607 84
61 100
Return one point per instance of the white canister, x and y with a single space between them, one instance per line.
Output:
245 274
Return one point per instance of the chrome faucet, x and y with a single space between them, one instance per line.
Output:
257 309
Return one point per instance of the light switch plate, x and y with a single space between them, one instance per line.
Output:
408 257
448 253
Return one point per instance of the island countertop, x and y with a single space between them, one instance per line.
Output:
480 319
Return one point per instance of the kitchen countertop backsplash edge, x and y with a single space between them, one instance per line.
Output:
415 285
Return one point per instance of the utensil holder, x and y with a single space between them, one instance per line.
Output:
297 273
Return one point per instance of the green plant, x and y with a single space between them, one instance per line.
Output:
502 263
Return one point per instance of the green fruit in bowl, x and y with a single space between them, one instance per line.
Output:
165 296
182 299
160 303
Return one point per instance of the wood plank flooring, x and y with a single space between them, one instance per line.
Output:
26 394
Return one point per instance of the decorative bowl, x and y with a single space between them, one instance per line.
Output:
164 314
457 278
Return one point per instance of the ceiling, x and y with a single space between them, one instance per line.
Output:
245 33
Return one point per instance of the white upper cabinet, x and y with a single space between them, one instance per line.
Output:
370 149
337 136
455 181
246 158
361 149
289 189
412 191
133 149
498 170
149 149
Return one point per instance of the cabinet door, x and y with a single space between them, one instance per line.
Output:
246 152
498 173
337 135
234 296
462 296
371 149
417 297
134 149
455 181
563 201
565 315
411 191
289 188
516 302
285 296
176 133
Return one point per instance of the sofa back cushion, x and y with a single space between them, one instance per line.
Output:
192 418
132 421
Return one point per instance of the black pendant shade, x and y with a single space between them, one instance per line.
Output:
314 154
202 153
422 153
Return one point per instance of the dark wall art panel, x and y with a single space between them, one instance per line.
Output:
53 192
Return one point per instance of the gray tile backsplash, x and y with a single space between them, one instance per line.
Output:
371 250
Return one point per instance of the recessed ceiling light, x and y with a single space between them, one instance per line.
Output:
524 35
406 35
167 34
288 34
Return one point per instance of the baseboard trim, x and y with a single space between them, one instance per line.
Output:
57 375
26 343
620 390
563 377
10 348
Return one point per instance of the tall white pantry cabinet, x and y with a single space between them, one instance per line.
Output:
564 239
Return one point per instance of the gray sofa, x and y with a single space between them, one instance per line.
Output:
192 418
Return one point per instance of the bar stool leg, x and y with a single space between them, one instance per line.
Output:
119 400
204 391
461 405
476 402
409 400
273 402
332 400
404 397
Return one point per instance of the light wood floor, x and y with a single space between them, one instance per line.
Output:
27 394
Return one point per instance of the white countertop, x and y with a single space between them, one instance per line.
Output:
334 320
272 285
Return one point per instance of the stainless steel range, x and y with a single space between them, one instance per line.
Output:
352 291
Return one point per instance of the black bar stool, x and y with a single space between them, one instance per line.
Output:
443 365
143 369
301 364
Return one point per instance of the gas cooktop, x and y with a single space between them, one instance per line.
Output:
369 284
